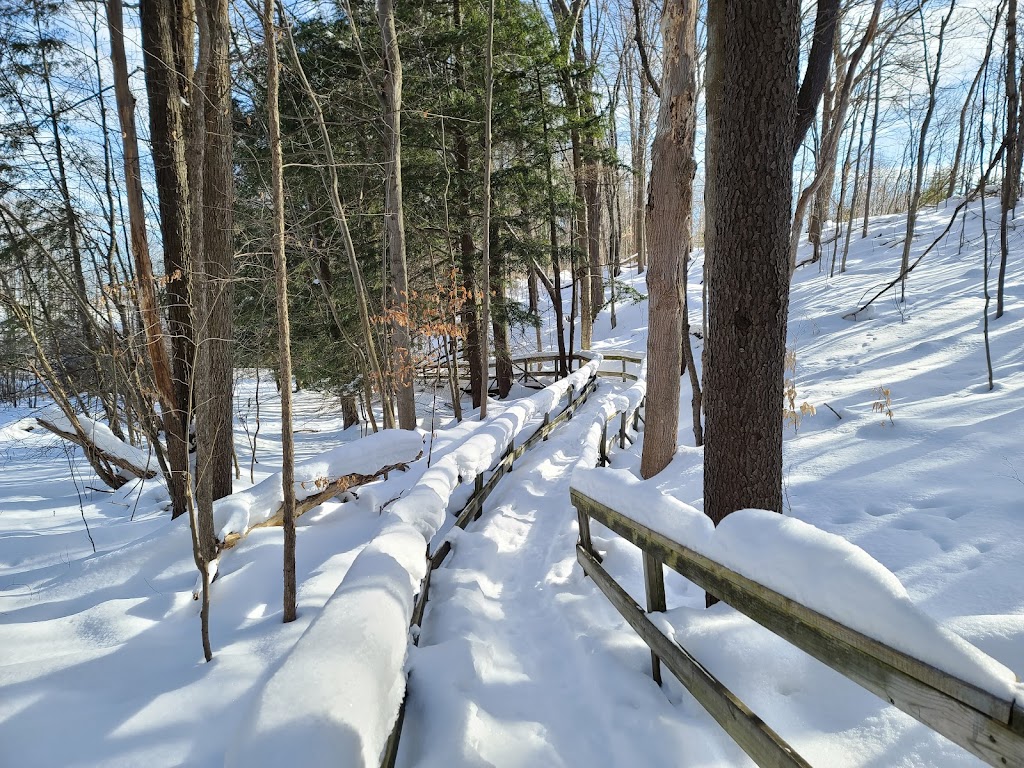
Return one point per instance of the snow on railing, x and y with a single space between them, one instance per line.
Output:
337 695
626 405
814 589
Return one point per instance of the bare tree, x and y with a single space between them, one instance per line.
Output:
668 221
1011 182
932 78
401 342
283 328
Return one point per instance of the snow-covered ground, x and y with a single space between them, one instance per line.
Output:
521 661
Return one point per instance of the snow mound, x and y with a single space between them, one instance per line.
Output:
102 438
821 570
336 697
241 511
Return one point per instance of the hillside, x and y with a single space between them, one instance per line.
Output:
521 660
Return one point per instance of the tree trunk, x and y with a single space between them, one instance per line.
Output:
871 144
556 264
638 138
283 328
825 167
751 87
401 341
668 224
485 305
1010 181
915 195
467 252
534 293
163 43
215 445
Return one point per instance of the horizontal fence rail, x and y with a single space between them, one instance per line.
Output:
986 725
474 508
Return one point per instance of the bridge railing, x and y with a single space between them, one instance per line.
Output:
988 725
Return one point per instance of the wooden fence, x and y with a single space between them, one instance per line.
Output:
536 371
986 725
474 508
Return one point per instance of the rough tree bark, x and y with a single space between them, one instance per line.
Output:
163 53
751 96
215 446
149 310
668 224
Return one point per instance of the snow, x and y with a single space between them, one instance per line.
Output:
241 511
102 438
818 569
353 654
522 661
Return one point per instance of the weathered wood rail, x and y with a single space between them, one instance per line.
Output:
986 725
473 508
532 370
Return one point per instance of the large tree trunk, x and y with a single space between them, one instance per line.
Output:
668 225
401 341
163 50
751 88
216 385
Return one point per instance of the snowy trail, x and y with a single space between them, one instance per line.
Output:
506 673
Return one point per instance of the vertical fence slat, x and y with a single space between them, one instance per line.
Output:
654 588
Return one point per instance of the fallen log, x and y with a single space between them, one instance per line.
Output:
328 475
115 461
331 488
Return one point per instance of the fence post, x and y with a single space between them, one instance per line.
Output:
623 369
602 456
654 587
622 431
585 541
547 420
571 392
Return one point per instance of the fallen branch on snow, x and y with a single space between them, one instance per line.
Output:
104 450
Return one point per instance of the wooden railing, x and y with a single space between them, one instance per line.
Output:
473 509
532 370
990 727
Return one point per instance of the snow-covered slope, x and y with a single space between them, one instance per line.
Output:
522 661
